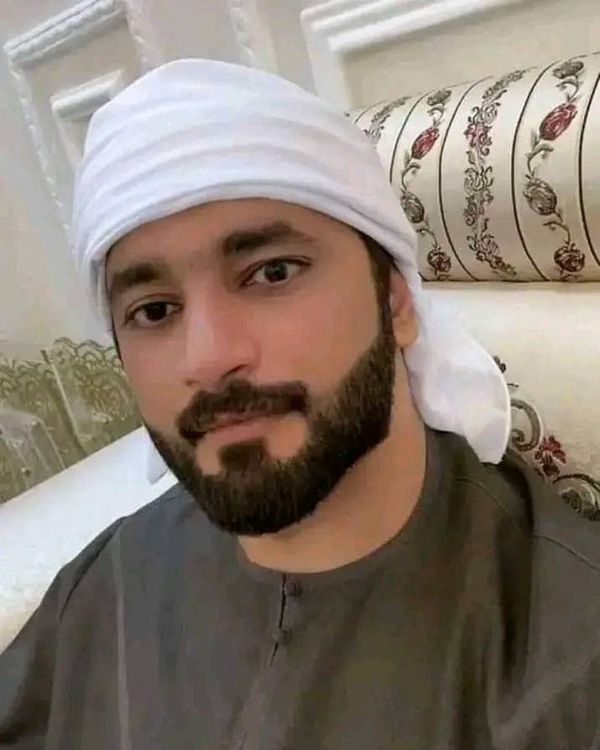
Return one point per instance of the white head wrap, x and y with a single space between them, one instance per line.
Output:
195 131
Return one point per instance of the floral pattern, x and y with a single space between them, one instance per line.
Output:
475 142
556 122
425 142
479 177
568 69
438 261
376 127
548 457
539 194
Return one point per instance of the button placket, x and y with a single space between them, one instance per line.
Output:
291 592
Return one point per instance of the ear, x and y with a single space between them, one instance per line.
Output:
404 318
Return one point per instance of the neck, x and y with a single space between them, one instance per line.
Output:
370 505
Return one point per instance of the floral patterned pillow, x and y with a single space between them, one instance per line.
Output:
498 177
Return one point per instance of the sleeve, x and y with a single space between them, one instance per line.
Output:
27 665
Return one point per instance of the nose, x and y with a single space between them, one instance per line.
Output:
217 343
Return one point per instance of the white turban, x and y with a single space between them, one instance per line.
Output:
195 131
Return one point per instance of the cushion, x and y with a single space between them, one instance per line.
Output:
500 179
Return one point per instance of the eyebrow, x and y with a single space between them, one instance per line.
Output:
241 242
246 241
135 275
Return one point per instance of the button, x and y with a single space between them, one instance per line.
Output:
293 589
283 637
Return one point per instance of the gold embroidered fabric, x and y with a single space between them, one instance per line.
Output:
55 411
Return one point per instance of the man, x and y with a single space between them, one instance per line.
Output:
342 564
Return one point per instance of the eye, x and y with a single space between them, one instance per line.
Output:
275 272
150 314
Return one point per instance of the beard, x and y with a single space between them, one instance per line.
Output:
255 494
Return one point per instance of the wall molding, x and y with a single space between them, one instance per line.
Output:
72 109
63 31
57 35
253 33
337 29
36 132
78 103
143 33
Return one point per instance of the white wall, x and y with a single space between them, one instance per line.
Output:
36 274
517 33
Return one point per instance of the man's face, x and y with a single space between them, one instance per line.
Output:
263 309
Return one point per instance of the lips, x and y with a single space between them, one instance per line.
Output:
198 430
231 419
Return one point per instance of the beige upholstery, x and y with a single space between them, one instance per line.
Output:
501 180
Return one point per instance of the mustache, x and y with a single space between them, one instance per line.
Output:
240 398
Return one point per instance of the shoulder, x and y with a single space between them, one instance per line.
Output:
526 533
542 559
127 539
512 518
559 548
532 507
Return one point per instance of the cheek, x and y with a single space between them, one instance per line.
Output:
318 340
150 375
